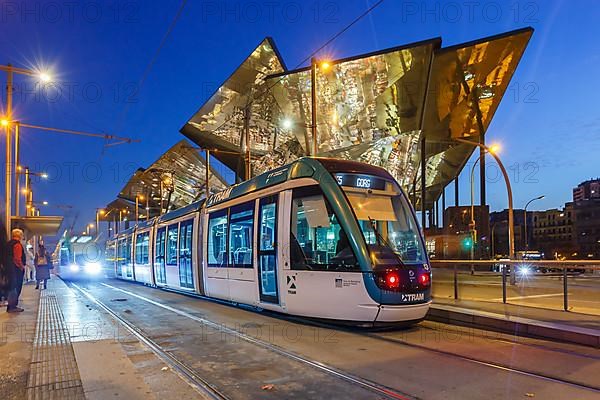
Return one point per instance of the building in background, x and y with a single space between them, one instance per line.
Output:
553 232
587 190
586 232
499 232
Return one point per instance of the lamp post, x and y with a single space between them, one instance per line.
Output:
138 197
28 191
472 225
313 96
525 221
511 222
6 122
99 212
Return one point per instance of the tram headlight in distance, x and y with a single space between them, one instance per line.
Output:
74 268
93 268
524 270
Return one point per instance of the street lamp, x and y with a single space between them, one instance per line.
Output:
6 122
314 64
27 191
99 212
494 148
511 222
525 222
138 197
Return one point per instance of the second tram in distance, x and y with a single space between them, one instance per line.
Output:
320 238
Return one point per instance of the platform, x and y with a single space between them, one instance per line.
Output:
519 320
61 348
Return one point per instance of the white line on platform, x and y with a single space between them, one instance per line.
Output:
534 296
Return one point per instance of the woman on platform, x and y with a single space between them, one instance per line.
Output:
42 266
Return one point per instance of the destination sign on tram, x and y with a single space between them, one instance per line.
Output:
360 181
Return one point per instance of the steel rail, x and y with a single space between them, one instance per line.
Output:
185 372
365 334
367 384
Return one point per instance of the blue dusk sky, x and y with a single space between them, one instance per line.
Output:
120 73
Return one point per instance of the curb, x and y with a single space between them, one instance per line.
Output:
514 325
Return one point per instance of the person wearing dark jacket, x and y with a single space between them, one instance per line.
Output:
42 266
16 269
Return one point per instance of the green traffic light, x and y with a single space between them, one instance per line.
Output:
467 243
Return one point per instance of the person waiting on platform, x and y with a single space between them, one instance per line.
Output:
29 263
42 267
16 269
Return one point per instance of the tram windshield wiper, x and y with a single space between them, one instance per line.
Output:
381 241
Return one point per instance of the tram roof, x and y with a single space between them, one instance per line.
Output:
375 108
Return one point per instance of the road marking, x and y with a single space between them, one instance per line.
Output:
534 296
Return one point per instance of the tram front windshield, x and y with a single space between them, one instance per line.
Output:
388 224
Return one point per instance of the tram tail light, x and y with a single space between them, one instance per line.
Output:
392 280
388 280
425 279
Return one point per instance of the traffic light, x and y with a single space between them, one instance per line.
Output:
467 243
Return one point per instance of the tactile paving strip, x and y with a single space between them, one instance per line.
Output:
54 373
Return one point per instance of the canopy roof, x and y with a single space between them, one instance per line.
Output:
41 225
178 177
374 108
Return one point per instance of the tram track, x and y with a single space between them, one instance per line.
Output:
203 386
497 366
180 368
387 392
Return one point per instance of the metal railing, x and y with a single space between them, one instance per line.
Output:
565 266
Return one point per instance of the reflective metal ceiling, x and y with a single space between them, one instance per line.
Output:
375 108
180 172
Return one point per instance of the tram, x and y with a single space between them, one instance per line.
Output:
321 238
77 257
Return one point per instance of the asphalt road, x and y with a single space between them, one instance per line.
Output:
536 290
427 361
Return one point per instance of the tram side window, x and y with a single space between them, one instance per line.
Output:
241 229
172 232
217 239
128 250
317 241
142 248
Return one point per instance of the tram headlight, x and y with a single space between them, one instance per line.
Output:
524 270
93 268
74 268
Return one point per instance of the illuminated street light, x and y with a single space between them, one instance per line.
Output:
45 202
10 71
45 77
324 65
287 123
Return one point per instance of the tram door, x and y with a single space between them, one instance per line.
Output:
267 251
159 256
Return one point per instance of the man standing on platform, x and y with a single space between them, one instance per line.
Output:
16 268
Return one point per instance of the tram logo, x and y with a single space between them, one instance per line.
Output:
413 297
291 284
218 197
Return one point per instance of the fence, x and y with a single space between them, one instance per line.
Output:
537 265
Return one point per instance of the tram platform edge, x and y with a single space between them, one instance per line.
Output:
519 320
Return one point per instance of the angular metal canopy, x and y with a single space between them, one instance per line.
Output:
376 108
178 177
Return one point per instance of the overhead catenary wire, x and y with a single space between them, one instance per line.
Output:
328 42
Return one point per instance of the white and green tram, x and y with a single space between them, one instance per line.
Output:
320 238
